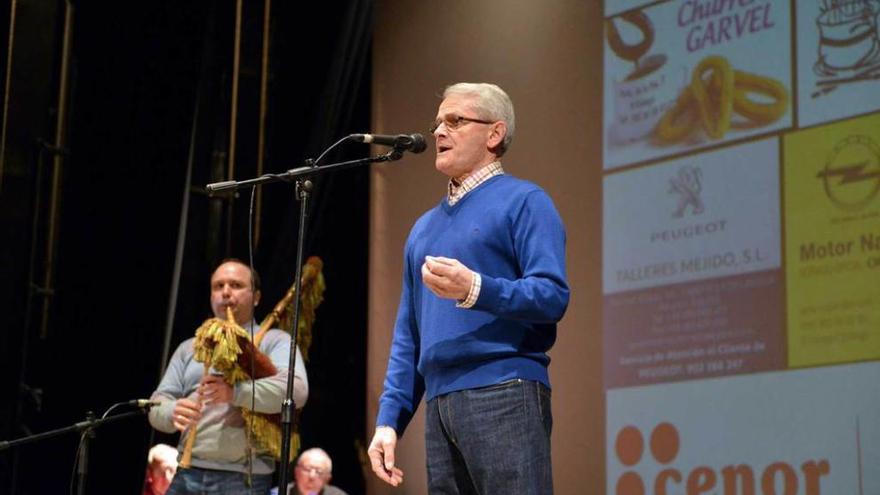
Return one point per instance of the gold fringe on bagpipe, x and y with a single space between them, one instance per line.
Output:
217 343
267 435
313 295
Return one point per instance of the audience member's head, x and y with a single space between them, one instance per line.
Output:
313 471
161 466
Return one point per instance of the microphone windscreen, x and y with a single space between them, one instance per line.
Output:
418 143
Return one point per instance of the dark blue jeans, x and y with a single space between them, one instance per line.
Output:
195 481
490 441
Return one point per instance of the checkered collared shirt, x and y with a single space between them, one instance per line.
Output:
456 191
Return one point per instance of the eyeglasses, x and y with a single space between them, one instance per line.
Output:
453 122
313 470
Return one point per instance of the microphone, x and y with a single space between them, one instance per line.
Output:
144 403
414 143
220 186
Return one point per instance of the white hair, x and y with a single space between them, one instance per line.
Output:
164 452
491 103
321 453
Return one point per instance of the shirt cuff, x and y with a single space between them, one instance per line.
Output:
473 294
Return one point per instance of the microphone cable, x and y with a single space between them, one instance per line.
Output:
249 448
322 155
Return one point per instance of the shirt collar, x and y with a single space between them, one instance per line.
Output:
457 189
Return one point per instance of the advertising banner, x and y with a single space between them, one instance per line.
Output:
832 228
685 74
692 218
838 59
804 432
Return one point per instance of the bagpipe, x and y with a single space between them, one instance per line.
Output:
227 348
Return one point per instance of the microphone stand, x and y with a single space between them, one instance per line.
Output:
303 189
295 173
87 427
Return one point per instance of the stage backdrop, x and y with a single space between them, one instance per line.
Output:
547 56
717 166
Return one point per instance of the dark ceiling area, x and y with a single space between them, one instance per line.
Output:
91 228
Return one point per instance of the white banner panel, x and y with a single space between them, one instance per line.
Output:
838 59
804 432
692 218
684 75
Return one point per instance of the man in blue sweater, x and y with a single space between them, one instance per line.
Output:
483 287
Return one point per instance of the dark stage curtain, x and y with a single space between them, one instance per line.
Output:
138 74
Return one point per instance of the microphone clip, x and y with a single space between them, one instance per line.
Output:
395 154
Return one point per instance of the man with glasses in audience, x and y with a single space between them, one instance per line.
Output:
312 475
484 285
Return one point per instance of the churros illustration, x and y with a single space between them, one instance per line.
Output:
714 94
716 121
760 113
679 121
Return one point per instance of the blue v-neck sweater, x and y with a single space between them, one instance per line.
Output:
509 232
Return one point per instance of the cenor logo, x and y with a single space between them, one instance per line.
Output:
664 445
630 449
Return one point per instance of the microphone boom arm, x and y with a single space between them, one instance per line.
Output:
88 424
305 171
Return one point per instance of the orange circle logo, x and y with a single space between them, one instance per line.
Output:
630 484
630 446
664 443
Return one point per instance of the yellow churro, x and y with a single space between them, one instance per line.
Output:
760 113
715 123
679 121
